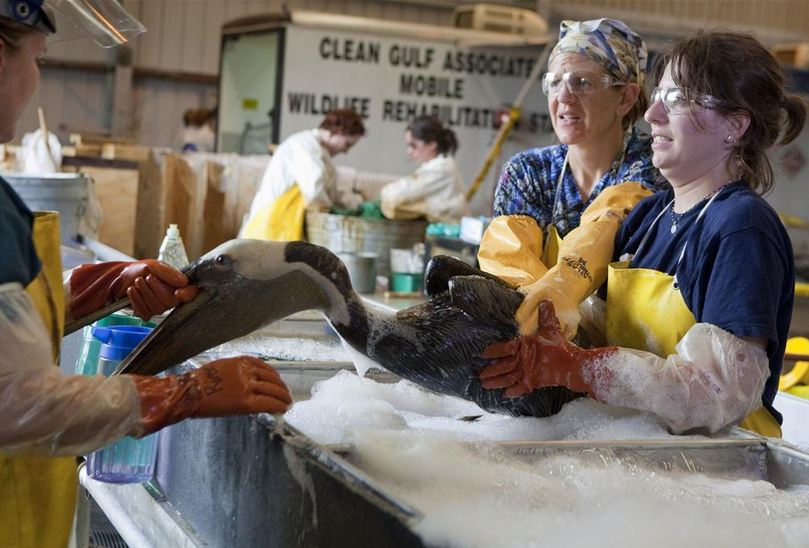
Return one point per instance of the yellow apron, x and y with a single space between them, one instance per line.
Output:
646 311
280 220
38 492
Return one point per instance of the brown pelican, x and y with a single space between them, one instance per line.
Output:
247 284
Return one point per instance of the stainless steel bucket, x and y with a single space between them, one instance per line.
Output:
361 269
62 192
345 234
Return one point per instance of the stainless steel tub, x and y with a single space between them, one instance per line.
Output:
251 481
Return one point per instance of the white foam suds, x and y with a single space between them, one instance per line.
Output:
479 495
362 363
293 348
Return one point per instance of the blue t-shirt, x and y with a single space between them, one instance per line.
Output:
19 258
528 183
737 272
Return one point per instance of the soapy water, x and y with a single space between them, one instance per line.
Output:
292 348
349 399
480 495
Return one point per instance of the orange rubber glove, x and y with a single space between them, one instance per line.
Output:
230 386
544 359
152 287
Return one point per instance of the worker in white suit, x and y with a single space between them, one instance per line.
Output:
435 190
300 175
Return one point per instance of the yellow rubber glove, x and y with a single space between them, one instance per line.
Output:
511 249
583 258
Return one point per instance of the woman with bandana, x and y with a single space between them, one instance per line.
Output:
699 300
600 169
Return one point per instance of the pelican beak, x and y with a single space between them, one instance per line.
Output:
229 305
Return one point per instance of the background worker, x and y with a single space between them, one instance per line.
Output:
594 86
301 174
434 191
198 134
697 319
45 413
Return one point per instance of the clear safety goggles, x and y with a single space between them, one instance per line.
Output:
577 83
105 22
680 101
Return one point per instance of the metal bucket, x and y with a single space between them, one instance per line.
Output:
62 192
344 234
361 270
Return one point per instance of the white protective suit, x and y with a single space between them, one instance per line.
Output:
46 411
435 190
302 160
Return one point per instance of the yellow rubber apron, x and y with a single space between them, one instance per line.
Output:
646 311
280 220
39 493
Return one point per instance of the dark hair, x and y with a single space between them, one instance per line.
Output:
11 32
738 71
198 117
430 130
636 112
343 121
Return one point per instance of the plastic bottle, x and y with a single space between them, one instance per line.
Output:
172 250
129 460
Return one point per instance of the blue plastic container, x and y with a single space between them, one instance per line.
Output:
87 362
129 460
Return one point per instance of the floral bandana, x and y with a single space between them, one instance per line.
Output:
609 43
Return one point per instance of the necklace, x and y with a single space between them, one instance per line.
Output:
677 217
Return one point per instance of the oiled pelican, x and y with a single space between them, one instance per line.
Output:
251 283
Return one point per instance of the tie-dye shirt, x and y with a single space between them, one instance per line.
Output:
527 185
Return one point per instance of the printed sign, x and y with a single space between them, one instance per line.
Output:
389 81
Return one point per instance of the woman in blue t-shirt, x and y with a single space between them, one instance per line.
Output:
697 315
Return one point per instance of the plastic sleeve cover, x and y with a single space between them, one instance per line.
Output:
713 381
43 410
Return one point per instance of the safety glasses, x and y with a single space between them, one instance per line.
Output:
680 101
577 83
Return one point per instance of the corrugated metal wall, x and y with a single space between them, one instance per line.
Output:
183 35
772 20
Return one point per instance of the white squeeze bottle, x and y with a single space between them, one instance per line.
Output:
172 250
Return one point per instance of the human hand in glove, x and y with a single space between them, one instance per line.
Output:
545 359
230 386
152 287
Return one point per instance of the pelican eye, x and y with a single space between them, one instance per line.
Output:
222 260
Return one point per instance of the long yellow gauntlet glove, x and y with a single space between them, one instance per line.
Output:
513 249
